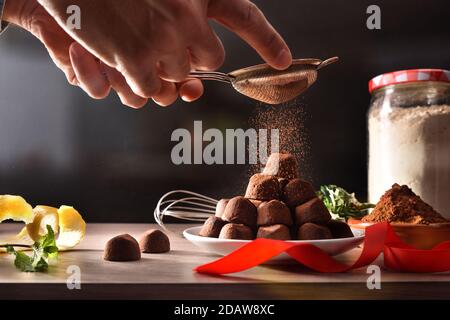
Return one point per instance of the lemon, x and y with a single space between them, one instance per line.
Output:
15 208
43 216
72 228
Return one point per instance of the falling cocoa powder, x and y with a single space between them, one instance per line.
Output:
400 204
289 119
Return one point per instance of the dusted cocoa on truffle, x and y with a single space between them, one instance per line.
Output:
241 211
283 165
273 212
211 227
263 187
277 232
297 192
122 248
282 182
236 231
312 211
312 231
154 241
255 202
339 229
220 207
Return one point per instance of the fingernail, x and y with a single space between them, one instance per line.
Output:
186 98
284 59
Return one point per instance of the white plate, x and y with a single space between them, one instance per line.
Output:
223 247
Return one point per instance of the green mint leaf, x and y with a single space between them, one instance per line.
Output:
23 262
10 249
41 265
342 204
48 244
43 250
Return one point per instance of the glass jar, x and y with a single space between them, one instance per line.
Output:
409 135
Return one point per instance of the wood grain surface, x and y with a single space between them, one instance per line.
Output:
170 275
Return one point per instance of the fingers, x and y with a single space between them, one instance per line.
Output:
247 21
191 90
88 72
126 95
174 67
167 95
141 77
206 51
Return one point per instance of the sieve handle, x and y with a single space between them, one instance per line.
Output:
210 75
327 62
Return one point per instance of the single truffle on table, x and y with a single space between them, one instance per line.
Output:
154 241
312 231
312 211
236 231
220 207
241 211
283 165
211 227
263 187
339 229
297 192
276 232
273 212
122 248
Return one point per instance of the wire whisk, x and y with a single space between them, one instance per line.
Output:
184 205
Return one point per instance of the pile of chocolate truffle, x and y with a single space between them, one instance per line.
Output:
277 205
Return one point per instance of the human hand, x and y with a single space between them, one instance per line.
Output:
154 44
87 73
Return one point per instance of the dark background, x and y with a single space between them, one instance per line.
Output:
113 163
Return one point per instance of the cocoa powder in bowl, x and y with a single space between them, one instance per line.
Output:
401 205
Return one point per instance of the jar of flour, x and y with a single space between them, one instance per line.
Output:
409 135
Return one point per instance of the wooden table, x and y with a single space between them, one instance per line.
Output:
170 276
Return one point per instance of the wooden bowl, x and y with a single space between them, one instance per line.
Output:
419 236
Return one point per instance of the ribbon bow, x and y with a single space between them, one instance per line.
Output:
379 238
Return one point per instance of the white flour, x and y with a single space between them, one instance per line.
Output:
411 146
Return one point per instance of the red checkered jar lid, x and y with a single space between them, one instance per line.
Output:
405 76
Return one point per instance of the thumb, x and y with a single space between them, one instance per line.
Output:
246 20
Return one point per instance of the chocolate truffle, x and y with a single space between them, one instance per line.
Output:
312 211
276 232
236 231
273 212
256 203
263 187
282 182
283 165
312 231
220 207
297 192
240 210
339 229
154 241
122 248
211 227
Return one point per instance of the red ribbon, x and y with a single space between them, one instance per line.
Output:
379 238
